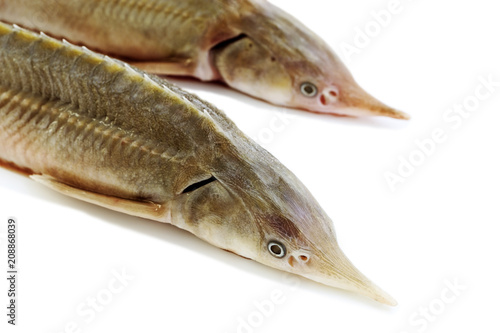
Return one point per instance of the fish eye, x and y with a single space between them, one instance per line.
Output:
276 249
308 89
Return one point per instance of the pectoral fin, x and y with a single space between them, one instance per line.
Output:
146 210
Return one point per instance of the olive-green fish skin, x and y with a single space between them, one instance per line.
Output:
178 32
96 129
67 111
251 45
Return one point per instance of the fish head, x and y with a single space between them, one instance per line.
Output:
298 237
255 207
334 91
278 59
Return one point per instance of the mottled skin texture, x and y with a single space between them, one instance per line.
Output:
250 45
96 129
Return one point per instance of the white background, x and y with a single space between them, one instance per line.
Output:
440 225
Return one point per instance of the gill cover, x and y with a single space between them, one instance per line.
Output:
249 67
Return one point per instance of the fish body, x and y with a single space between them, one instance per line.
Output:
96 129
251 45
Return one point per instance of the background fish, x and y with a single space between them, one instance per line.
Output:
98 130
250 45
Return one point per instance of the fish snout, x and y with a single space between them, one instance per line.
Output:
334 269
337 271
355 101
352 101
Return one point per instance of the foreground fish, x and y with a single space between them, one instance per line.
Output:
98 130
250 45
